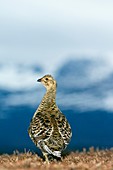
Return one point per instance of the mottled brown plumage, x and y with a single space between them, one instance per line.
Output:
49 129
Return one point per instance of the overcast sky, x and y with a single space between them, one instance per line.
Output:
47 32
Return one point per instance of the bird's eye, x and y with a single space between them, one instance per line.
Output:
46 78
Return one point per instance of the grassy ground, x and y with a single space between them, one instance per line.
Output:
91 160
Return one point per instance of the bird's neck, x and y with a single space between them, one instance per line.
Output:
49 99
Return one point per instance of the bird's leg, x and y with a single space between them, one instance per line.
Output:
46 157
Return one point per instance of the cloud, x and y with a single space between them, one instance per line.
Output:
17 77
108 101
30 98
86 102
86 85
40 31
82 101
84 72
47 34
30 9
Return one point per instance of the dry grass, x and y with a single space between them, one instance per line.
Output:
91 160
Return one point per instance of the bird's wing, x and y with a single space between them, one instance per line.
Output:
40 127
64 128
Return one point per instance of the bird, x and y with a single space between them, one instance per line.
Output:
49 128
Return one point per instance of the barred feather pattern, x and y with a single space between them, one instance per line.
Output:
49 128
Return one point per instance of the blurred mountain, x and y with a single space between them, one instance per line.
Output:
89 129
84 96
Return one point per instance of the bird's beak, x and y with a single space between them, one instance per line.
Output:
39 80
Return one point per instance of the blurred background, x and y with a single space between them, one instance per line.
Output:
73 41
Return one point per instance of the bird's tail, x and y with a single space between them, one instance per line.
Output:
55 153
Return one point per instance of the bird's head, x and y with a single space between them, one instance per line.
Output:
48 81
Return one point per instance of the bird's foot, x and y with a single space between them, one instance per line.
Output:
46 158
